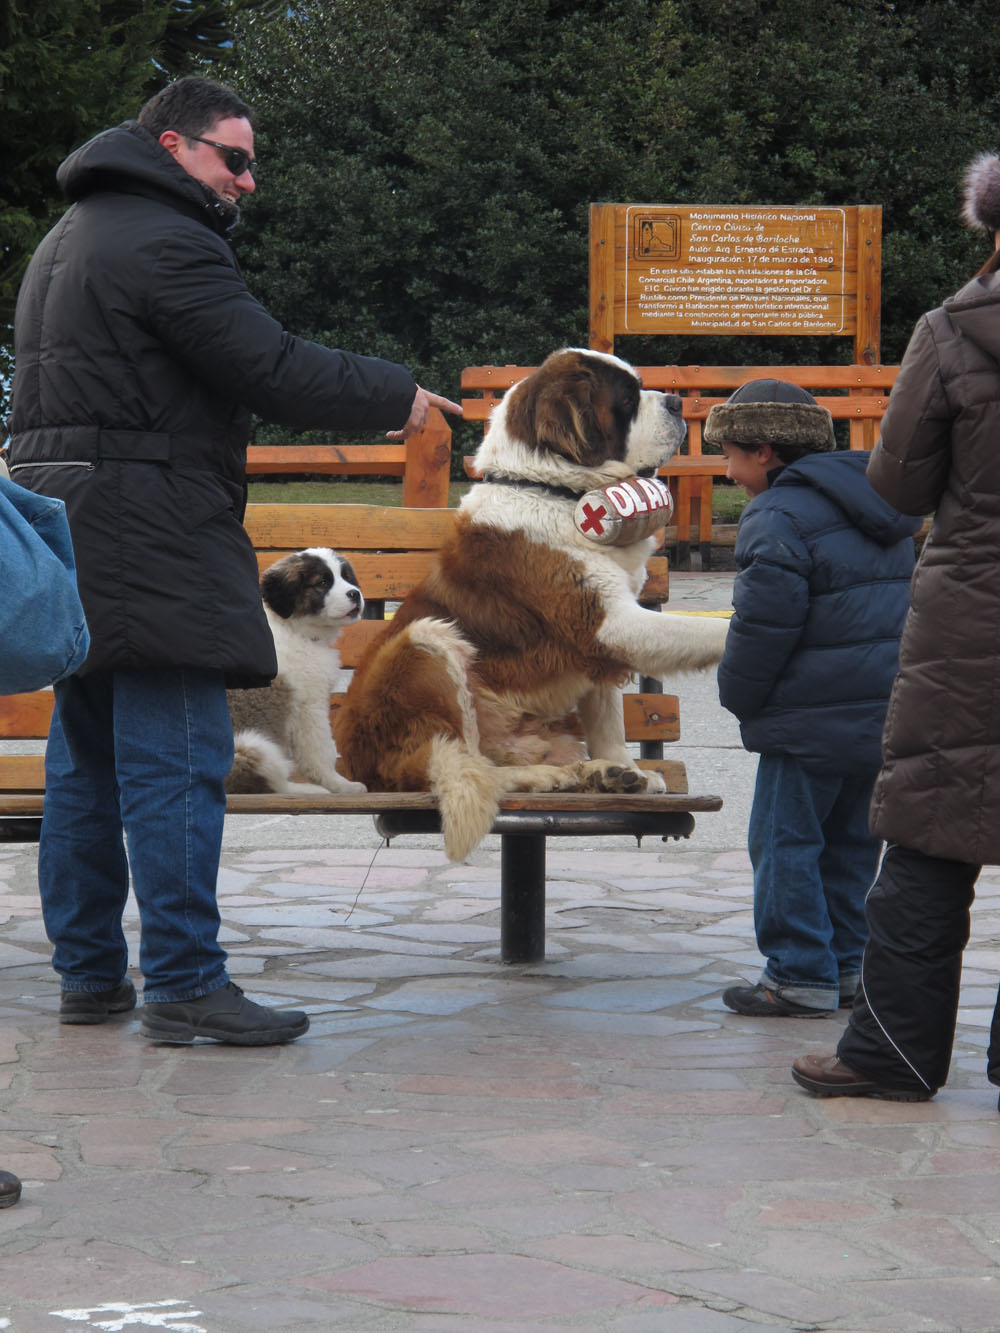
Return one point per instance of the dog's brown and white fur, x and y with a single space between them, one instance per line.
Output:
282 734
503 671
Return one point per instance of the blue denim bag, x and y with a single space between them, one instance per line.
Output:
43 633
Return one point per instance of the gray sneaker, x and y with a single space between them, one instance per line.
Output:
223 1015
10 1189
96 1006
761 1002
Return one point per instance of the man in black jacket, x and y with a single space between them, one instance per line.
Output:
139 358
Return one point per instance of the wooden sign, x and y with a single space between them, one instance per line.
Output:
766 269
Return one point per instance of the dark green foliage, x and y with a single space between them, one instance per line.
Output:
427 168
71 68
67 69
426 174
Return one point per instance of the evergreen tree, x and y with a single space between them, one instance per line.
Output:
427 167
70 68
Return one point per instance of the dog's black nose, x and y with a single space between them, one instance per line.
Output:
673 403
353 595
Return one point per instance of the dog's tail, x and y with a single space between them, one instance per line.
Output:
258 765
468 789
467 785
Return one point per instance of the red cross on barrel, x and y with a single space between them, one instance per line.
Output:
626 512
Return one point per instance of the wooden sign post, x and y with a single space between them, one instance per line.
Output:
768 269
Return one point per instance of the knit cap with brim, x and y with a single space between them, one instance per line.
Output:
771 412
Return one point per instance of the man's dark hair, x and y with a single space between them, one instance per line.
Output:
191 106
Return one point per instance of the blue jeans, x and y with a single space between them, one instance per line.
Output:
136 757
814 861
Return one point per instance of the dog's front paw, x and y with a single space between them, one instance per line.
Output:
339 786
601 776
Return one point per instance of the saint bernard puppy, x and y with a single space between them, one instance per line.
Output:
503 670
283 733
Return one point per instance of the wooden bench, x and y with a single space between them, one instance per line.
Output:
857 394
423 461
391 550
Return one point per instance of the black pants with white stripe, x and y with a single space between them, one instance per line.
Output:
902 1026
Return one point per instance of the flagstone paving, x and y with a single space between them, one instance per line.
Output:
592 1143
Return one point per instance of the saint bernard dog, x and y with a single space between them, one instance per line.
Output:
503 671
282 734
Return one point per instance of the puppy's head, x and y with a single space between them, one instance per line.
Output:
315 586
589 408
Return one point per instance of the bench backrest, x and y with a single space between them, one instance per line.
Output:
423 461
391 550
854 393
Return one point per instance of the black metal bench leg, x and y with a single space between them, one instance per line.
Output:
20 828
522 897
650 749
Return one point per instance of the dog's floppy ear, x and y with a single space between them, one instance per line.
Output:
574 407
279 586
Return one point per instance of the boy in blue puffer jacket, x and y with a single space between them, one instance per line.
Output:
820 596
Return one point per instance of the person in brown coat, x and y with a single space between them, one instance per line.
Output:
937 798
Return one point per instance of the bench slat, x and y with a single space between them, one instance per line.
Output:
652 717
854 376
845 407
380 577
699 465
25 773
22 773
373 803
27 716
346 527
383 575
497 379
326 460
672 771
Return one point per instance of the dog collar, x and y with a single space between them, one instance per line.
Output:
564 492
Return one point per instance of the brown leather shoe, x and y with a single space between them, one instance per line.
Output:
828 1076
10 1189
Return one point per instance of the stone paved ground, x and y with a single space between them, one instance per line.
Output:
593 1143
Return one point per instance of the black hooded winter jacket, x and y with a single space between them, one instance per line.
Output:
139 358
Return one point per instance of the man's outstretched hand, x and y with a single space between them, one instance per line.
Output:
417 419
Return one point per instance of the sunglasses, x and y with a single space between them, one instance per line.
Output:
236 160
